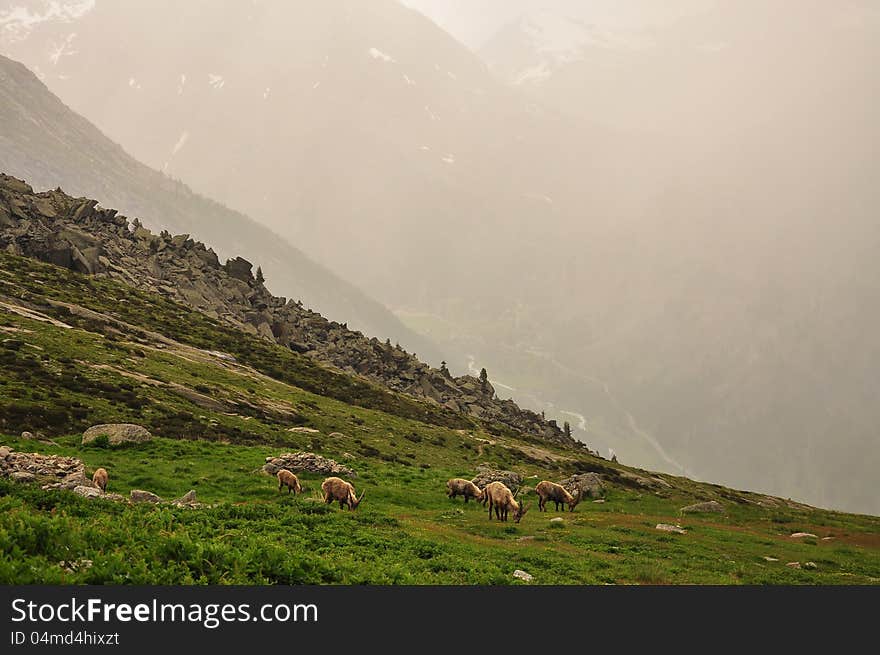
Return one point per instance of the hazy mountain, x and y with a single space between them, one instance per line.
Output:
43 140
674 237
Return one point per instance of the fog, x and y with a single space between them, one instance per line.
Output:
655 220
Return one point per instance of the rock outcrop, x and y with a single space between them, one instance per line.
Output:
53 471
303 461
78 234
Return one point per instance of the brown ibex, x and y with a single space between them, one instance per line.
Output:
547 490
289 480
502 500
461 487
339 489
99 479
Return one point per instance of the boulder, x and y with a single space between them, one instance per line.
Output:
556 519
522 575
486 474
140 496
804 535
665 527
22 476
709 506
117 433
189 498
87 492
27 435
590 484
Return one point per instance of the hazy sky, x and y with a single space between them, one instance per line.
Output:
474 21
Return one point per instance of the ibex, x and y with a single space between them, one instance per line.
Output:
547 490
99 479
461 487
502 500
339 489
289 480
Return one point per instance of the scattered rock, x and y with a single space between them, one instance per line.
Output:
522 575
527 537
337 435
87 492
600 500
671 528
75 565
23 476
305 430
827 538
117 433
709 506
556 519
771 559
4 451
304 461
810 565
794 565
27 435
140 496
590 484
804 535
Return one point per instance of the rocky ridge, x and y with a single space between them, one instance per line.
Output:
78 234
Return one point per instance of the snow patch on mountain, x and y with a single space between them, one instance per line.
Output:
63 49
17 22
375 53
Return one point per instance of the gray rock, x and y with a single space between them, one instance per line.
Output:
590 484
486 474
117 433
140 496
810 565
4 451
665 527
27 435
87 492
804 535
556 519
709 506
186 499
305 461
522 575
794 565
23 476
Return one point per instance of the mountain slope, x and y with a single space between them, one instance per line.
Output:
74 233
69 360
43 141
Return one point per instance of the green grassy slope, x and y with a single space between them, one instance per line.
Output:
139 358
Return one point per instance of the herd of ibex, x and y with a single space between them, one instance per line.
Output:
496 495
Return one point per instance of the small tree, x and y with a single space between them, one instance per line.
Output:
566 428
484 377
260 278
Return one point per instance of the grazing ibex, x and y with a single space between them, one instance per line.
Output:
99 479
339 489
502 500
289 480
547 490
461 487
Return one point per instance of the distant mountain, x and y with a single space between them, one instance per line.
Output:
537 45
44 141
